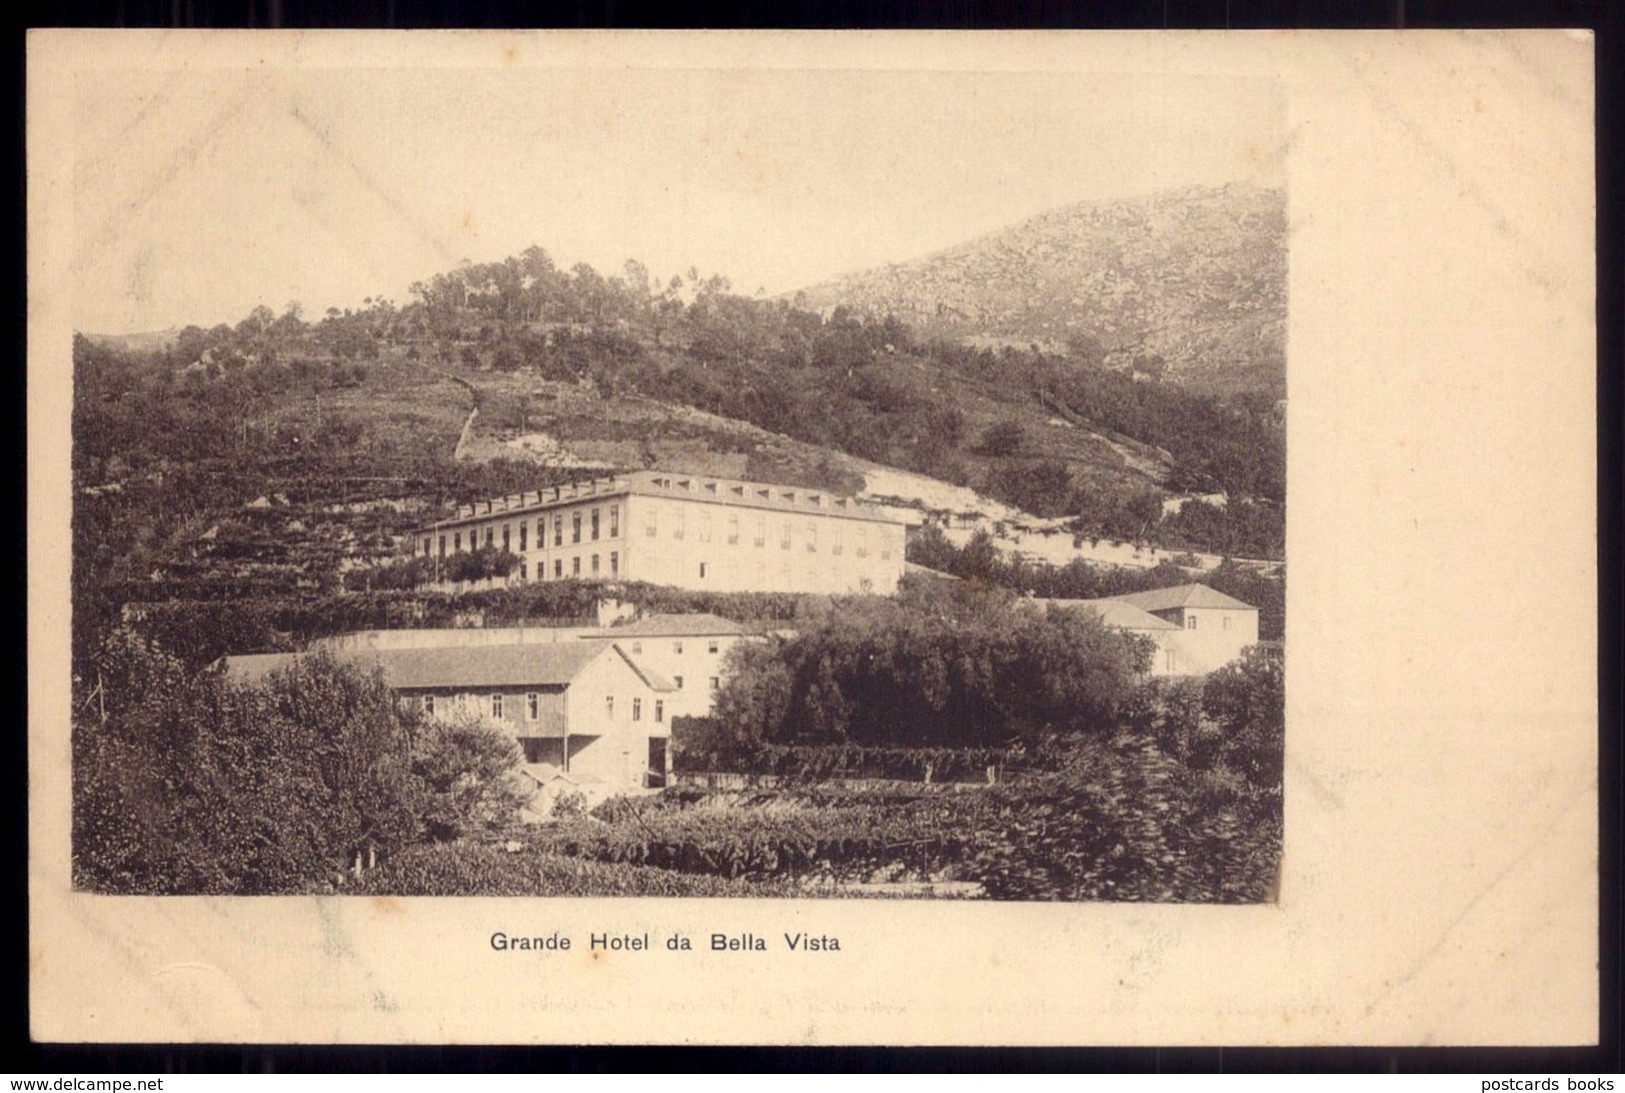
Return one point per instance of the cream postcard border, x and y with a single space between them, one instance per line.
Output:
1440 875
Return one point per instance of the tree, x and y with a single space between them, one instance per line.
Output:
481 564
467 773
1247 698
961 667
979 559
1043 487
1005 438
194 783
751 710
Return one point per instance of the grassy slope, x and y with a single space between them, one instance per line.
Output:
579 426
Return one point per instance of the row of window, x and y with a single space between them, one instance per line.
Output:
713 647
1224 622
784 573
716 683
595 567
651 530
533 704
679 529
594 520
637 708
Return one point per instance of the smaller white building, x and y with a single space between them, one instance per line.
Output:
688 650
1212 628
1195 629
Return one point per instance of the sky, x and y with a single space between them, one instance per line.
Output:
201 194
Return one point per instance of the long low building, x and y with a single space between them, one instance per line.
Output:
687 531
585 708
689 650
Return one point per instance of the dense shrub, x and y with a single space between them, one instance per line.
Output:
192 783
933 668
797 763
474 869
467 772
479 565
189 782
844 843
1168 710
1247 698
1125 821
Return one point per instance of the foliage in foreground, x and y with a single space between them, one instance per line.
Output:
1184 804
1125 821
811 764
784 839
197 784
475 869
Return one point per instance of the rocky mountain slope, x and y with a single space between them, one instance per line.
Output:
1188 282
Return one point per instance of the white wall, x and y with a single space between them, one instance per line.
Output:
695 663
619 752
710 546
1219 636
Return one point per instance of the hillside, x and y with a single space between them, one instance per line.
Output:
145 341
287 458
1190 280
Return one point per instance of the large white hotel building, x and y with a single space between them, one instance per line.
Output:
687 531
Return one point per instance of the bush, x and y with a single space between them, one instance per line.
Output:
473 869
1169 711
478 565
1124 821
797 763
845 843
955 668
570 805
1003 439
1247 698
467 771
192 783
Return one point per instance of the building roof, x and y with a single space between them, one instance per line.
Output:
700 625
1183 595
1117 614
693 487
539 665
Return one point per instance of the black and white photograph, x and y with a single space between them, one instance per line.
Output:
871 488
783 538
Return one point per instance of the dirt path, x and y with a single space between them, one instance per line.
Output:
457 453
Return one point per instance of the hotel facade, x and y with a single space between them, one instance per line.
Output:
685 531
